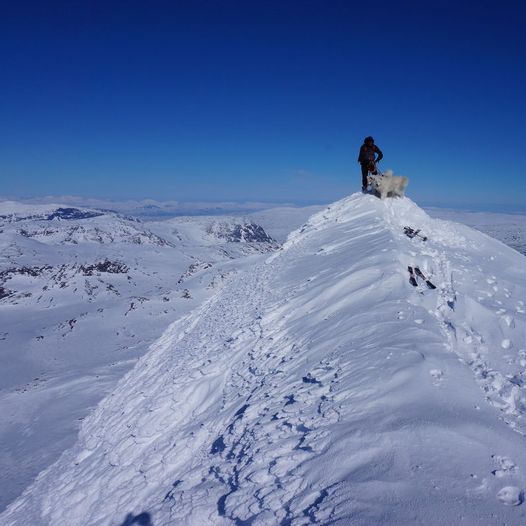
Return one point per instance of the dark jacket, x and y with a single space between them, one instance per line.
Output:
367 154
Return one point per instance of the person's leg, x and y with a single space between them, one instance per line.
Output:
364 176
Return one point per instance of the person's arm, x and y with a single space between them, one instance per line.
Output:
379 153
360 155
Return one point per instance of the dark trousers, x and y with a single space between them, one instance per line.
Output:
365 171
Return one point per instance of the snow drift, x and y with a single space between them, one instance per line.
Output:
83 294
319 387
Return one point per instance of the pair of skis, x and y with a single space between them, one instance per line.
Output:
411 233
416 272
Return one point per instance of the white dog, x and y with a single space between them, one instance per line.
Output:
388 184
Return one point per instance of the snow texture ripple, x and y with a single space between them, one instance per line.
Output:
317 386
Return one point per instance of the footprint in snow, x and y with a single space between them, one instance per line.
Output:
419 321
511 496
480 490
506 466
505 344
437 375
310 379
508 320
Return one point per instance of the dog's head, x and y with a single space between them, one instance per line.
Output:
373 180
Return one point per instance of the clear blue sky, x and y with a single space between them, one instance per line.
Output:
269 100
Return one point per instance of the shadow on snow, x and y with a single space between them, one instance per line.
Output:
143 519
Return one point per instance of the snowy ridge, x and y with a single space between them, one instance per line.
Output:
319 387
82 296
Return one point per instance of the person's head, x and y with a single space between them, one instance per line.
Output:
369 141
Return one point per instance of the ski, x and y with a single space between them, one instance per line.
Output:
412 278
421 275
411 233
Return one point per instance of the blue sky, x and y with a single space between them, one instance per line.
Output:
269 101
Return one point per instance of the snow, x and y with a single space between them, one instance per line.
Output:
508 228
510 496
17 209
144 208
317 386
80 301
279 222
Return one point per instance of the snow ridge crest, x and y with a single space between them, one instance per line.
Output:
320 386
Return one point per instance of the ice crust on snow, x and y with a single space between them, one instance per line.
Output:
317 386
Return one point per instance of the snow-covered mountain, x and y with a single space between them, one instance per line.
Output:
317 385
83 294
148 208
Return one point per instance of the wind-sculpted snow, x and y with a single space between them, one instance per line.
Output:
82 296
319 387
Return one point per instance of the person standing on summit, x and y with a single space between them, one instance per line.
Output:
368 159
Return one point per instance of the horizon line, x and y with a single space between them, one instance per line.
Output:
260 204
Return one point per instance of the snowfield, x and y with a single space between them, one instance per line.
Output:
316 385
83 294
508 228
